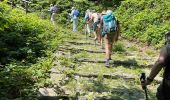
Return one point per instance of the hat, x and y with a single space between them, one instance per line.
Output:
109 12
103 12
72 8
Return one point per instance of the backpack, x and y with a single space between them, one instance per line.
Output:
76 13
109 24
54 9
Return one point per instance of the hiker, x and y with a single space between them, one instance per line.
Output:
51 6
110 32
74 15
96 20
162 62
53 10
100 28
87 21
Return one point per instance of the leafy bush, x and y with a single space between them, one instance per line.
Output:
146 20
118 47
23 37
27 46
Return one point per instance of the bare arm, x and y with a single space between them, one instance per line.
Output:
91 18
157 66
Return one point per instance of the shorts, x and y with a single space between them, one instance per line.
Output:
95 26
163 92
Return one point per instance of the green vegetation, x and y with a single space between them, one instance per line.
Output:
29 42
145 20
79 78
118 47
27 45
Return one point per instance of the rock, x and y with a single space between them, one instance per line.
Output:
56 78
82 98
47 92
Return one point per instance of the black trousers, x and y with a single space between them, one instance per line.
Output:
163 92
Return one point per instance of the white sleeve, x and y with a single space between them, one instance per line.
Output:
72 12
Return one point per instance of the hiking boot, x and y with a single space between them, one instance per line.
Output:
107 63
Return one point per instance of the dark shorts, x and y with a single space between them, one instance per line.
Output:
163 92
95 26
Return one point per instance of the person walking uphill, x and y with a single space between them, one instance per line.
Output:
74 14
96 20
53 10
86 20
163 61
110 32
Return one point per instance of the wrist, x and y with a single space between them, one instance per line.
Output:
149 79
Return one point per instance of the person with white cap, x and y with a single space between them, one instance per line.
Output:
74 15
87 23
96 20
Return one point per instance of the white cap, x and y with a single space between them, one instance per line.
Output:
109 12
88 10
72 8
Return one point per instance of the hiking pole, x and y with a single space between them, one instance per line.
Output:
143 79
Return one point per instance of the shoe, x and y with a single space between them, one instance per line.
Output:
107 63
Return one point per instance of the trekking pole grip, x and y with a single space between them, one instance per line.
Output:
143 79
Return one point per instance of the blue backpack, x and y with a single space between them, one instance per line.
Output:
76 13
109 24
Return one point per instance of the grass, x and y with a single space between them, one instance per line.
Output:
120 88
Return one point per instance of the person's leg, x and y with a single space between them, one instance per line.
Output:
107 47
107 53
100 36
52 17
94 30
159 94
88 29
74 25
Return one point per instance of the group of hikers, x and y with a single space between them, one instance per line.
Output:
105 25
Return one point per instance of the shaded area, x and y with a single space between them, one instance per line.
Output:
126 63
20 40
57 98
104 75
16 82
96 75
79 43
132 93
78 50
